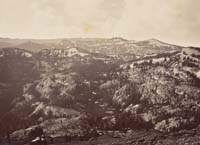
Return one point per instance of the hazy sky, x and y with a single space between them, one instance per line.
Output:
175 21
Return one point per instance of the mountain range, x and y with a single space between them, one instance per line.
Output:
104 91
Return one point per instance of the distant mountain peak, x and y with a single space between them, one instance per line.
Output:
29 43
31 46
156 42
153 40
118 39
4 44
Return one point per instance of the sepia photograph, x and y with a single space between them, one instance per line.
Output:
99 72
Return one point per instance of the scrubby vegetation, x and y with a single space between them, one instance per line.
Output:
51 97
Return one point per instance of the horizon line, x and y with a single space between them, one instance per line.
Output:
120 37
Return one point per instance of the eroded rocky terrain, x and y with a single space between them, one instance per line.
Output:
99 91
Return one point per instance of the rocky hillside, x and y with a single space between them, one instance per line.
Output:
82 93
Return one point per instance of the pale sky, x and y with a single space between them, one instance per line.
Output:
173 21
